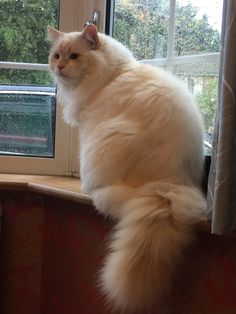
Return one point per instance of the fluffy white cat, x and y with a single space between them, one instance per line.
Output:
141 156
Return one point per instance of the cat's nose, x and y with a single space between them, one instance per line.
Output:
60 67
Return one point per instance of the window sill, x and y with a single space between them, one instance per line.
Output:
58 186
68 188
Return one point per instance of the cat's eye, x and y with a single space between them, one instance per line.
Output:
74 56
56 56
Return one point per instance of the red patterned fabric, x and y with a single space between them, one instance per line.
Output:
51 251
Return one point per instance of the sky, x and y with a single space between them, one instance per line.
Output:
213 9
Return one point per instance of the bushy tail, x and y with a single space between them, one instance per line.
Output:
147 245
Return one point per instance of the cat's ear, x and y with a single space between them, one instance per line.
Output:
90 36
53 34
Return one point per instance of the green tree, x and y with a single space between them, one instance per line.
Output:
142 26
194 35
207 100
22 37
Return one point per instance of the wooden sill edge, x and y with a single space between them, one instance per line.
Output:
68 188
59 186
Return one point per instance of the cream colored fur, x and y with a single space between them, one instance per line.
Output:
141 157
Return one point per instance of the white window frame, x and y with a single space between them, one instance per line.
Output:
171 60
73 15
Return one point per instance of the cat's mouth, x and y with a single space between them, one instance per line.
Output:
62 75
65 78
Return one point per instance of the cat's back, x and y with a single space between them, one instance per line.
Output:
152 80
145 90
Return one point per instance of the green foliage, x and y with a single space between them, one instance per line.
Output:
194 35
207 100
22 37
143 27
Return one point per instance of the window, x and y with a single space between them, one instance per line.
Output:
182 36
27 116
33 137
27 105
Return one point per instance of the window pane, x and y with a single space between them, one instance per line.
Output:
142 26
197 26
197 32
202 80
27 98
27 120
16 77
23 29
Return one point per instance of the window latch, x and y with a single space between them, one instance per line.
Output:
95 19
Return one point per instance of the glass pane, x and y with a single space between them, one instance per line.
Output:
27 120
197 32
202 80
23 29
27 98
142 26
197 27
16 77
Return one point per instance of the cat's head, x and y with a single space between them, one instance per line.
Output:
78 55
71 53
